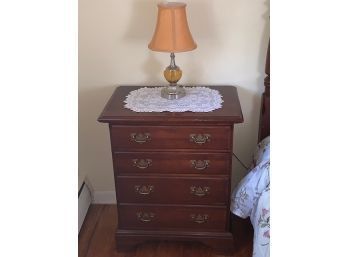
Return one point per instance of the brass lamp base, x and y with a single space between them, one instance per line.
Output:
172 74
173 92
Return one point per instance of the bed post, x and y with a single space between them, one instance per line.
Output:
264 125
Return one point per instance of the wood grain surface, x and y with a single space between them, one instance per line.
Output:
96 239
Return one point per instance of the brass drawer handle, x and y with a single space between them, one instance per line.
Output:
200 191
145 216
144 190
142 163
140 138
199 218
200 164
200 138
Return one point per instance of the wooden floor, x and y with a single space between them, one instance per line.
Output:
96 239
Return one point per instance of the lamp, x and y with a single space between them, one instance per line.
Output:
172 35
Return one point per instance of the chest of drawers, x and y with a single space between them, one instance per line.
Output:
173 172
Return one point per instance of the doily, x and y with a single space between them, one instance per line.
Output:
197 99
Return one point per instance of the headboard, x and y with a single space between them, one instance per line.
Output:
264 125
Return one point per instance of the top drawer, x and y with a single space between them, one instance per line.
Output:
164 137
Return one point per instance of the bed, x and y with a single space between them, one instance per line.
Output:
251 197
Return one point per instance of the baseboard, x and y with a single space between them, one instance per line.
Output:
104 197
85 199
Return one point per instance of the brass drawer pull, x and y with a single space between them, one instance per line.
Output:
140 138
200 191
144 190
200 164
145 216
199 218
142 163
200 138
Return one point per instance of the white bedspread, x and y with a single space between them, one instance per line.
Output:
251 198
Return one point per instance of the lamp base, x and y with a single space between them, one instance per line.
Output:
173 92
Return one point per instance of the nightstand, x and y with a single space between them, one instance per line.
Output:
173 171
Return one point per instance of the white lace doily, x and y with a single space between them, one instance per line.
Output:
197 99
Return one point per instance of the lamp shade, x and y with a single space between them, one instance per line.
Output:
172 33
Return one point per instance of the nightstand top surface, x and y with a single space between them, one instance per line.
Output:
115 112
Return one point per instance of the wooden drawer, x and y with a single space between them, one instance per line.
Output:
172 218
170 137
172 162
173 190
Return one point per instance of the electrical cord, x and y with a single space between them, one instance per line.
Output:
240 161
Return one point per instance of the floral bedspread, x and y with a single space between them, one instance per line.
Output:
251 198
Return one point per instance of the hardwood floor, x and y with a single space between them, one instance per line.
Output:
97 239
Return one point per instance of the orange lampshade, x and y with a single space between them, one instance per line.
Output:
172 33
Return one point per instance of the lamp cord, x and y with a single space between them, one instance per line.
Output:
240 161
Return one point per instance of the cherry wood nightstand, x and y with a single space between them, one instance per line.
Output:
173 172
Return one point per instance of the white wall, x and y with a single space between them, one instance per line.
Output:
232 37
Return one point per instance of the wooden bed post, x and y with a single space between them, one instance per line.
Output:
264 126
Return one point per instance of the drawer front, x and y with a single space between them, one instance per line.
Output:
172 218
172 162
164 137
207 191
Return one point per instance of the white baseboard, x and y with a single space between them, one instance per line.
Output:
84 201
104 197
